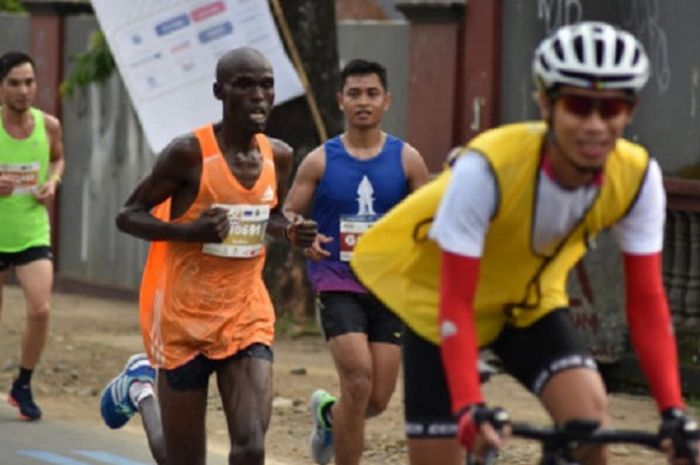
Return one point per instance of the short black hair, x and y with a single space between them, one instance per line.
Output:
12 59
360 67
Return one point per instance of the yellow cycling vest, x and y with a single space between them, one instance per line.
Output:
397 261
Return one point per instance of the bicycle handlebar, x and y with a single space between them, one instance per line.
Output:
598 436
559 441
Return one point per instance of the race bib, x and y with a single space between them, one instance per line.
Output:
25 176
351 228
246 235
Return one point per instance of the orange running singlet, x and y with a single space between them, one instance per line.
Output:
210 298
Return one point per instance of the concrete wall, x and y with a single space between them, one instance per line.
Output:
106 155
14 32
389 7
668 118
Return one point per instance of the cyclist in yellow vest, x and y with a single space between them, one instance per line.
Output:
31 165
480 256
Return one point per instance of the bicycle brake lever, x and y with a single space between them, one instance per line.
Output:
685 440
489 458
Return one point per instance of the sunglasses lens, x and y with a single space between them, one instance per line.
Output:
584 106
611 107
579 106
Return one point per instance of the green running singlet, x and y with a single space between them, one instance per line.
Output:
24 221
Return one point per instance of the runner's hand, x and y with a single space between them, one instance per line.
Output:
680 437
301 232
480 428
6 186
45 192
211 226
316 252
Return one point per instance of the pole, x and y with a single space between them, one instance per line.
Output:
296 59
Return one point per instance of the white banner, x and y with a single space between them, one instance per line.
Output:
166 52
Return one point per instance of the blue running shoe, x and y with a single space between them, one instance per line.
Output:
116 406
321 438
21 397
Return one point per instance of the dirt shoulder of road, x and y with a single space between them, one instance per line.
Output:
91 338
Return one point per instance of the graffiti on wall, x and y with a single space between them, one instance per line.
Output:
557 13
599 330
642 17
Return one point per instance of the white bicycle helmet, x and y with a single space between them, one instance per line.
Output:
592 55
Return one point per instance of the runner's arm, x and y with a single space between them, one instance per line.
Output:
651 328
459 348
56 161
460 227
414 167
284 157
297 203
173 174
303 188
640 237
297 230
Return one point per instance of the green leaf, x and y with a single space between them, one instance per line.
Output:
92 66
14 6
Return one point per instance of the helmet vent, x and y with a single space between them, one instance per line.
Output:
619 48
578 48
637 56
558 50
599 50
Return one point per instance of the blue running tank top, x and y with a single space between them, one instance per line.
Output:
351 195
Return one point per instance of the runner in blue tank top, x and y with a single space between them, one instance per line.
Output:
351 195
347 184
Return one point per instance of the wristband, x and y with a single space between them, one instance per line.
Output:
288 231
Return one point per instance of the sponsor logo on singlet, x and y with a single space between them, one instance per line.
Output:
353 226
246 236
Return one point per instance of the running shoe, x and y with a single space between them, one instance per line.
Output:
321 438
116 406
21 397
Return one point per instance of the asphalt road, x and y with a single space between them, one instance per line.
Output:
48 442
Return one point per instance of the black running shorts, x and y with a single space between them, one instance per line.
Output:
532 355
195 373
25 256
352 312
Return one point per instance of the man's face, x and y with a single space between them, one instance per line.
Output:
18 89
587 123
248 95
363 101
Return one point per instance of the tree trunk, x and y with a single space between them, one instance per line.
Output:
312 24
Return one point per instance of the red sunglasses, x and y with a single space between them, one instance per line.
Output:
607 107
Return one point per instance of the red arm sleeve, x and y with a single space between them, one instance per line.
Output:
459 349
651 328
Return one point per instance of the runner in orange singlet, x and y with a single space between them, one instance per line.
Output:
208 203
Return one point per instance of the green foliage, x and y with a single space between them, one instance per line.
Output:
14 6
94 65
